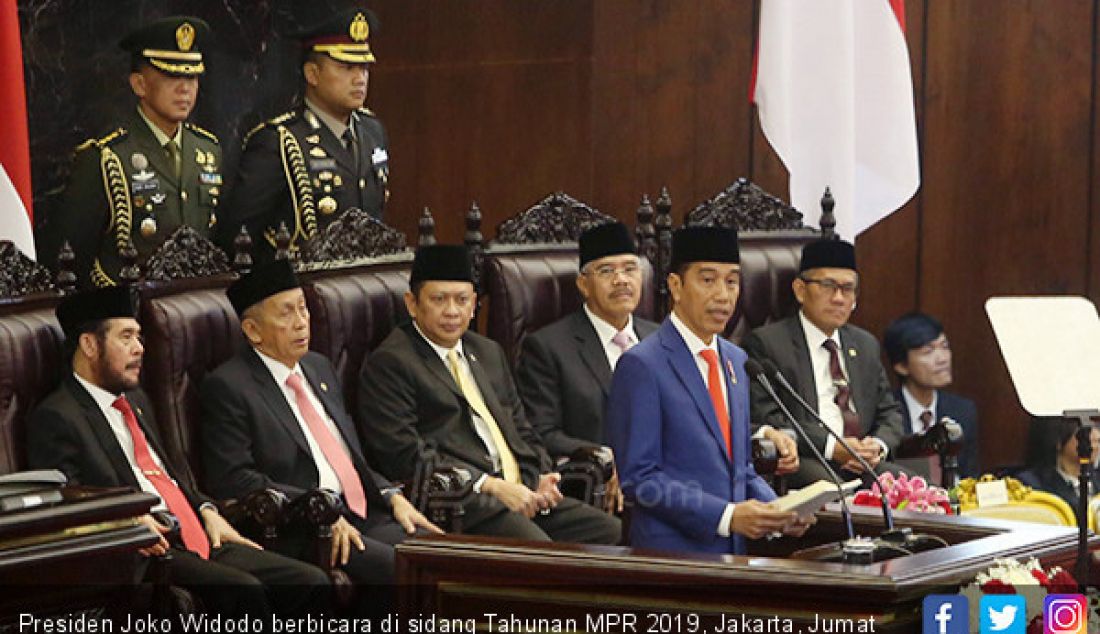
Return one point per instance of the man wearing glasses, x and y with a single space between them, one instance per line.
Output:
833 365
564 371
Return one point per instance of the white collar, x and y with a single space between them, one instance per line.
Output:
694 343
104 399
915 406
815 338
439 350
605 331
278 369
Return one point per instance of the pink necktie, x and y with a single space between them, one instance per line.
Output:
191 531
622 339
330 447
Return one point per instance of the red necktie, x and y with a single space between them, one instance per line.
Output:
194 537
843 392
935 470
714 386
337 458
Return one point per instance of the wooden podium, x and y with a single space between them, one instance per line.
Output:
467 577
75 555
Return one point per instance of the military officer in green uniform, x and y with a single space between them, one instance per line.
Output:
308 166
151 175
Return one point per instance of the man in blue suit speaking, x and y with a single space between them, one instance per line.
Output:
678 415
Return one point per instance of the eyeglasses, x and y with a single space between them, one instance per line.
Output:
607 272
848 289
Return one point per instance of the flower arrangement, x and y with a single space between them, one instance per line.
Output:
1009 576
905 493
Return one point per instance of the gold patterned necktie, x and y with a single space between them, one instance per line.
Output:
508 465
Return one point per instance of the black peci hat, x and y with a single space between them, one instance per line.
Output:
171 45
828 254
80 313
442 263
601 241
704 244
260 283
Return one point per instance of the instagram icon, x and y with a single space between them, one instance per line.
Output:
1065 614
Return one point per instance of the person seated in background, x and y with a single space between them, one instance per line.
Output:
833 365
920 355
565 369
274 417
98 428
1052 462
435 394
678 415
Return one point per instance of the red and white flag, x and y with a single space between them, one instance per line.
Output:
15 159
835 98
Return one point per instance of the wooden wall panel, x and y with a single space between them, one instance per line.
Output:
1006 180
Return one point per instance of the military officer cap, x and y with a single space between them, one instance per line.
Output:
81 312
828 253
704 244
442 263
172 45
260 283
605 240
342 35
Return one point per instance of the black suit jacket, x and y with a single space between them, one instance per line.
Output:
962 411
784 342
68 431
251 439
412 412
1048 479
564 378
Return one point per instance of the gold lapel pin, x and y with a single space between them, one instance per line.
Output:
851 352
324 386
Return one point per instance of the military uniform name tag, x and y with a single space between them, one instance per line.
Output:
210 178
322 164
379 156
137 186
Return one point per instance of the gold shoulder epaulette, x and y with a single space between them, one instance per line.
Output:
115 135
200 131
279 120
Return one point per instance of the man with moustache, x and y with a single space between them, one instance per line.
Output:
274 416
152 174
677 415
920 356
435 394
306 167
833 365
565 368
98 428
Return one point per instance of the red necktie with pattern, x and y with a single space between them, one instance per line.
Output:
191 531
714 386
330 447
843 398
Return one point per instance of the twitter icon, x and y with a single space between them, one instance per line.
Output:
1003 614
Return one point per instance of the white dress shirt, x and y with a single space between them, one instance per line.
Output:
104 400
827 408
480 426
916 409
696 346
605 332
326 475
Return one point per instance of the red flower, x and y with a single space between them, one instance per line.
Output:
996 586
1041 577
1062 582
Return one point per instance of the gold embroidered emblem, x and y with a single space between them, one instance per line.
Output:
359 30
327 205
185 37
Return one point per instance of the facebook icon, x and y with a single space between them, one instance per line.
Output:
946 614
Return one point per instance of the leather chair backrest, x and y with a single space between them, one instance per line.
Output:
187 335
769 263
529 288
351 312
31 365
